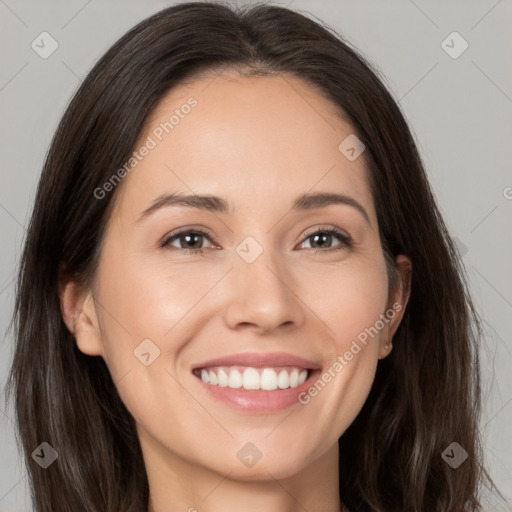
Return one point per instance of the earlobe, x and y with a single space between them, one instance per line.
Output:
79 315
385 350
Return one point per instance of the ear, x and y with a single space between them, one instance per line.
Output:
397 303
79 314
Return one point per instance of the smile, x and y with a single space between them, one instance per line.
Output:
254 382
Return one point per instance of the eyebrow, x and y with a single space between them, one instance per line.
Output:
216 204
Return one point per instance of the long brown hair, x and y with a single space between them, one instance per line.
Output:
426 393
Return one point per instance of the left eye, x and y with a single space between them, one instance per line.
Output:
321 236
188 238
193 240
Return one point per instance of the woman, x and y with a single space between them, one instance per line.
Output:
181 345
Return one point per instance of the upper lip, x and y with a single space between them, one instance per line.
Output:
260 360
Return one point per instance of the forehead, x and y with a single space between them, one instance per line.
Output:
253 140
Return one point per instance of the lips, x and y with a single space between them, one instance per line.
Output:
256 382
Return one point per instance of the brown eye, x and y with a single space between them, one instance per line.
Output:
324 237
188 240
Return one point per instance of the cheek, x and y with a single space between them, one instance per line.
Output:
355 296
145 300
350 298
137 310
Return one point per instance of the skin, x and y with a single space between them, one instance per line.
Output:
259 143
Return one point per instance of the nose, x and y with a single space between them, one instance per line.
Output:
261 296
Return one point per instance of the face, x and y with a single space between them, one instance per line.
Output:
258 317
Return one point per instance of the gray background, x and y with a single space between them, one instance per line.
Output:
459 110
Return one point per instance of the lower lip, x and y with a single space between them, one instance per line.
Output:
259 401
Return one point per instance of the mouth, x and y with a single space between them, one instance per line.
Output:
256 382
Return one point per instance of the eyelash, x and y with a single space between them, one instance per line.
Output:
346 240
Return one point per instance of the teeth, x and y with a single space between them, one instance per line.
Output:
235 379
213 378
267 379
223 378
283 381
251 379
294 378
